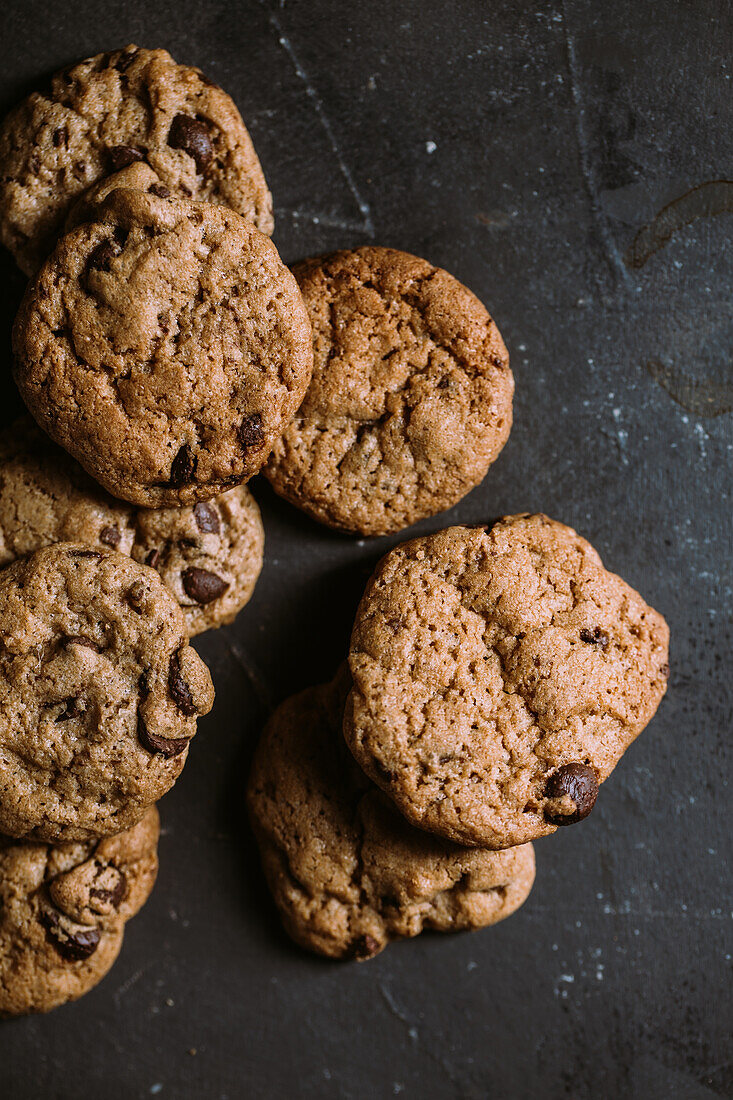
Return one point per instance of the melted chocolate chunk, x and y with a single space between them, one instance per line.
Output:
153 742
207 518
122 155
160 190
101 257
192 136
579 782
72 943
60 137
596 636
110 536
202 586
183 467
180 691
152 558
113 896
251 435
365 947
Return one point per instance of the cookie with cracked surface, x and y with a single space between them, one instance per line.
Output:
106 113
63 909
411 396
499 676
347 873
99 693
165 346
208 556
138 176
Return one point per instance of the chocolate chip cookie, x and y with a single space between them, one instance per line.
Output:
63 909
347 872
99 693
411 397
499 676
165 346
209 555
110 111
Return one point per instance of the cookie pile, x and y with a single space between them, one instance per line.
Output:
167 355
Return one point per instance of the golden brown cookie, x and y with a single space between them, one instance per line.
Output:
209 555
411 397
106 113
63 909
347 873
499 676
99 693
166 347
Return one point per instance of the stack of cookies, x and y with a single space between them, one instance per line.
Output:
167 355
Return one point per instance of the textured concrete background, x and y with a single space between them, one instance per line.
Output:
565 161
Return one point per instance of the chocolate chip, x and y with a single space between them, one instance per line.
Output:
596 636
101 257
113 896
207 518
134 596
73 943
125 60
192 136
82 639
579 783
110 536
180 691
72 709
664 670
167 746
160 190
183 467
203 586
122 155
60 137
365 947
152 558
251 435
84 554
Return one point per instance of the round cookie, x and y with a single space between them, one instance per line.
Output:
499 676
99 693
165 347
46 497
347 873
63 909
110 111
411 397
209 556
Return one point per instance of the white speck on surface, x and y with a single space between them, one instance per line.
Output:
155 1089
472 965
430 146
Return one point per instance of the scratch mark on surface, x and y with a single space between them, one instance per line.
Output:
368 226
327 220
126 986
254 677
612 253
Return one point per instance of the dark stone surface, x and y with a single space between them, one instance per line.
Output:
523 147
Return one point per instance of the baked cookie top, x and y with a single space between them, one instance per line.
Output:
411 397
106 113
63 909
348 874
499 675
99 693
165 346
209 555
